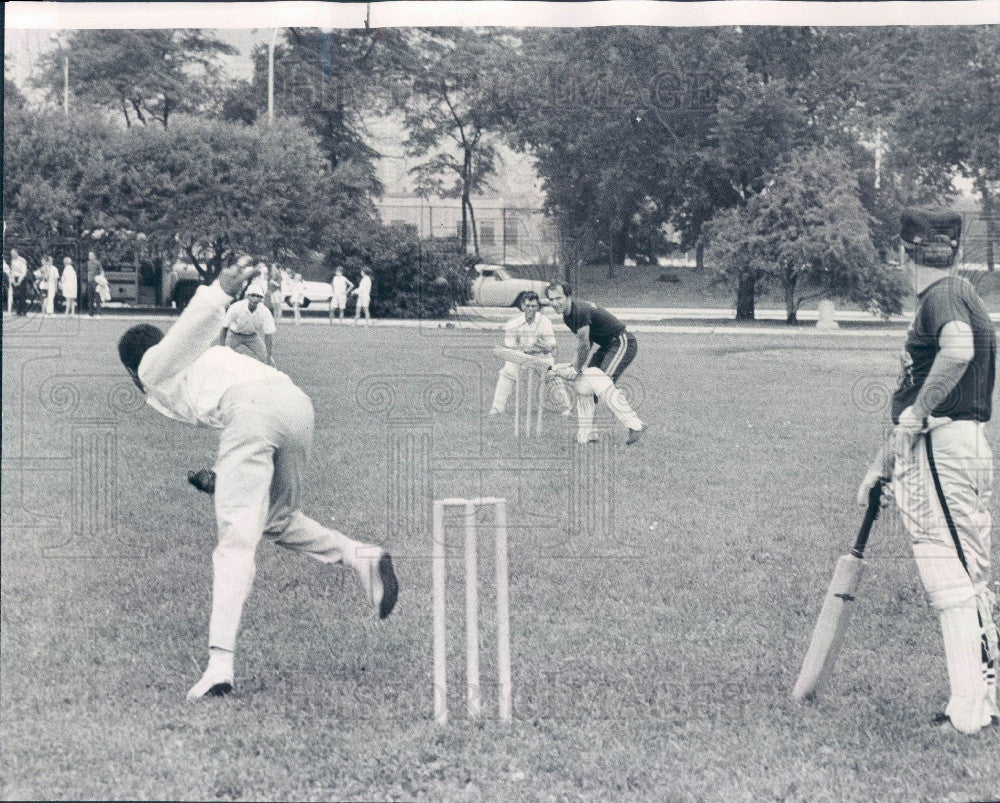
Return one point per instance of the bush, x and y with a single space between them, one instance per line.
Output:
410 278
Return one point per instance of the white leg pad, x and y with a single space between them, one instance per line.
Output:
953 595
585 416
595 381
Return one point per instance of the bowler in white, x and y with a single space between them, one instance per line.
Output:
267 431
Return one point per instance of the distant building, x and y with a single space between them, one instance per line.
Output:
508 234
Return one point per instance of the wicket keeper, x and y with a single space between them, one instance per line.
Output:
605 348
940 461
530 332
267 430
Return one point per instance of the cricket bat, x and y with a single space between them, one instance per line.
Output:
519 357
837 606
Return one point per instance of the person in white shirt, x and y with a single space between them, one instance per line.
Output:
267 426
249 327
364 294
298 295
68 285
50 278
340 285
531 333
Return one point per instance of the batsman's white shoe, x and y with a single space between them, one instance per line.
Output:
214 683
380 583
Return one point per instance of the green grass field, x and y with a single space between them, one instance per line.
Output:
653 659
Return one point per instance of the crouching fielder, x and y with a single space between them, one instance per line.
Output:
267 430
942 473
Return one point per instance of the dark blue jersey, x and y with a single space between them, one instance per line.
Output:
605 328
949 299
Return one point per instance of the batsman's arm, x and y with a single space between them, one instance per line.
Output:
950 364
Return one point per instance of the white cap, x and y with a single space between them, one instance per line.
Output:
257 288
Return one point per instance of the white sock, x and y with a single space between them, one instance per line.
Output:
220 660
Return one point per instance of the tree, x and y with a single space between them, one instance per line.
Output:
807 232
952 122
56 174
453 114
217 189
13 98
146 74
330 80
411 279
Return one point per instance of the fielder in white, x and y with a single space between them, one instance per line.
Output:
364 297
941 466
249 326
267 430
340 286
531 333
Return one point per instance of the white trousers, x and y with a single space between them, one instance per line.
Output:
262 459
943 493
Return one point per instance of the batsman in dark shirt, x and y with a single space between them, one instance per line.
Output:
602 340
594 326
941 466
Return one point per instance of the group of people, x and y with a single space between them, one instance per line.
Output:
341 288
25 286
604 349
938 457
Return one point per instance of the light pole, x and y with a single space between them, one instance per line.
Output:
270 77
65 56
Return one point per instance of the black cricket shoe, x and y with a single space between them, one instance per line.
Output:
385 586
203 480
633 435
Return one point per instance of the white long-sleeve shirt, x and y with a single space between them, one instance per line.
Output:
186 375
519 334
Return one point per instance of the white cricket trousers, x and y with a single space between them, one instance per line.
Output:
263 452
943 493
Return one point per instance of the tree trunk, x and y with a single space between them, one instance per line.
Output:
617 251
791 308
989 212
699 254
745 292
475 231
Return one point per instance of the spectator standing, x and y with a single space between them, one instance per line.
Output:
298 295
102 292
68 285
364 294
340 287
19 282
49 282
93 268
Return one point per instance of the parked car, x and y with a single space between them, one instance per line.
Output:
497 286
313 293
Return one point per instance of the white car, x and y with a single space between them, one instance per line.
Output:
497 286
312 293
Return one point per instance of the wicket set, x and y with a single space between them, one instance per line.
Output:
532 397
439 568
